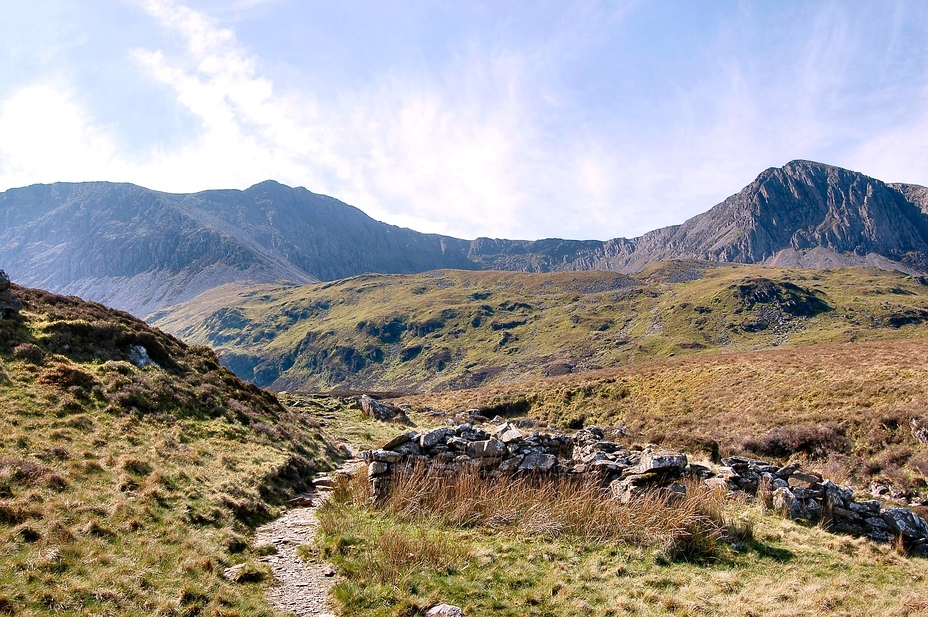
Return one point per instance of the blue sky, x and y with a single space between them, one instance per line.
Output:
502 119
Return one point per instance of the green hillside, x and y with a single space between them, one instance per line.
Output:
457 329
128 490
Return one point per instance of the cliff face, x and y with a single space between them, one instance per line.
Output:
143 250
804 213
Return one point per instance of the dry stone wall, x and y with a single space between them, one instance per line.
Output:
626 474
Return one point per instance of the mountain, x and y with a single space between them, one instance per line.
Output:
453 329
144 250
803 214
141 250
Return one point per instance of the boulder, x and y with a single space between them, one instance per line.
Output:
919 428
786 503
377 468
386 456
9 304
865 508
802 480
659 462
507 433
378 409
538 461
138 356
400 440
904 522
435 437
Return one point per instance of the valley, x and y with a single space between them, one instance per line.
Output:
143 251
449 330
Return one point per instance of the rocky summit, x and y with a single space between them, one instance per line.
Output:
143 250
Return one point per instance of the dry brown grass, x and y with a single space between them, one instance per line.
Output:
853 400
552 507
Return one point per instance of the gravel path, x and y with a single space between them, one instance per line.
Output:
303 586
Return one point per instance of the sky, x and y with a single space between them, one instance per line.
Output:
509 119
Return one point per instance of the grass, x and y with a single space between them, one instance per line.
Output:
843 408
128 491
458 329
405 555
347 427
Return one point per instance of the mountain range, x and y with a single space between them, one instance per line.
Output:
142 250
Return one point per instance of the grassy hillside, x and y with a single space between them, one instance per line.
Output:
455 329
517 549
397 564
127 490
848 406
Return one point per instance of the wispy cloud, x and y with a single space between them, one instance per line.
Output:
505 134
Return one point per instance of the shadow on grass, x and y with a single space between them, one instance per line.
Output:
765 551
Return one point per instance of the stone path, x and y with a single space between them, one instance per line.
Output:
303 586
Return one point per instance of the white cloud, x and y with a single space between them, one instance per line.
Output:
433 154
46 136
492 142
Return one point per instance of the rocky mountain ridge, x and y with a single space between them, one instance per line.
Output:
143 250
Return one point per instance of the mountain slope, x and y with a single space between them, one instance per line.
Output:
126 488
803 214
142 250
456 329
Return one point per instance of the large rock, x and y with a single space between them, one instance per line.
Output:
905 523
787 504
444 610
399 440
919 428
435 437
537 461
378 409
386 456
490 448
659 462
507 433
377 468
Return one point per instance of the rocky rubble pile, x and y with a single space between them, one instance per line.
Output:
626 474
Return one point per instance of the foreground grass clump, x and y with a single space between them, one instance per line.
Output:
424 539
127 490
476 545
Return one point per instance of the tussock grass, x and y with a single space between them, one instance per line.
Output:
689 527
395 560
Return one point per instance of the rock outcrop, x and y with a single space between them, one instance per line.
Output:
9 304
628 474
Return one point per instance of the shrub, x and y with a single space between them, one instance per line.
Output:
29 352
816 441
